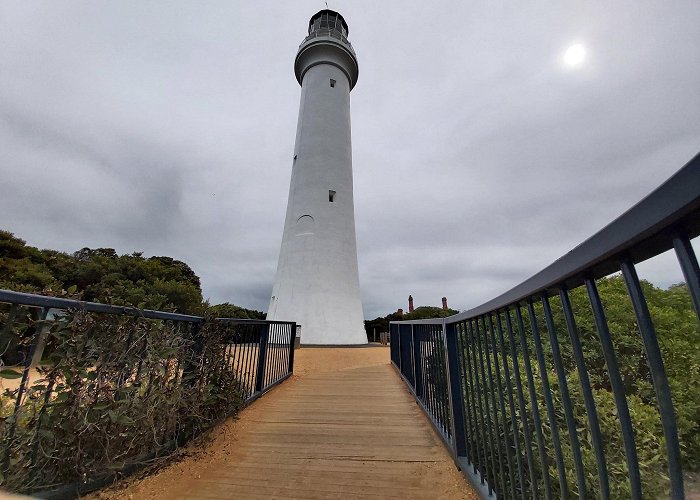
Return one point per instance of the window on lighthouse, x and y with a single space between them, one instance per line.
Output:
332 82
331 196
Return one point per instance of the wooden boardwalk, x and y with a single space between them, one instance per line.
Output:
353 433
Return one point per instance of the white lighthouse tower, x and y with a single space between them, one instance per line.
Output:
317 282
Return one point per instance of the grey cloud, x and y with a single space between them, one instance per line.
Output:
168 128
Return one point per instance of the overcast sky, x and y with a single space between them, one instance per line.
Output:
479 155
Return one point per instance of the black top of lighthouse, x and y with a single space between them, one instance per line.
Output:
327 43
328 20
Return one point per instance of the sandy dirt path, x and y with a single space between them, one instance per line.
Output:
343 426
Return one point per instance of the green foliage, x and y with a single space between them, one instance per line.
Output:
112 390
424 312
153 283
227 310
102 275
429 312
678 332
23 268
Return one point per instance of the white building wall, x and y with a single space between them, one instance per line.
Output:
317 282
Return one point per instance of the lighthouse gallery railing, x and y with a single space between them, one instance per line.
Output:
477 374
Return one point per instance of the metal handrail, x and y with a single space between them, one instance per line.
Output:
34 300
254 356
495 331
640 233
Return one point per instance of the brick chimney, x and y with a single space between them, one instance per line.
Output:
444 303
410 303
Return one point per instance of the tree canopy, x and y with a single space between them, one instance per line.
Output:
423 312
102 275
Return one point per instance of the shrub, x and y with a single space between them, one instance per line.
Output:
113 390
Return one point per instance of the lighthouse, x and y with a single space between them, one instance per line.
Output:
317 283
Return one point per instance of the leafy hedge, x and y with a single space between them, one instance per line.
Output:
113 390
678 334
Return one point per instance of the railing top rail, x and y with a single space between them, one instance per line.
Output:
33 300
642 232
430 321
247 321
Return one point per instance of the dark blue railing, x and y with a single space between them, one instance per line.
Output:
486 377
147 359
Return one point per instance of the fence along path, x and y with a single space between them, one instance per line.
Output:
331 431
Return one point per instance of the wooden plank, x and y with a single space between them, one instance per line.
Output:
353 433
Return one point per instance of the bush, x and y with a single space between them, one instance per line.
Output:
112 390
677 330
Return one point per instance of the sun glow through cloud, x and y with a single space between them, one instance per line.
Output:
575 55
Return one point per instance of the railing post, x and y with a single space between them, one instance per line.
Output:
292 343
191 363
413 359
455 390
658 377
262 355
417 367
398 348
690 268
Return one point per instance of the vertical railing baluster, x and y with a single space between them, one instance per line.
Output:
437 343
502 405
413 360
292 344
483 386
249 357
417 364
554 427
280 352
618 389
486 468
425 356
268 360
434 375
180 355
419 347
398 348
494 409
511 404
589 402
521 403
445 398
262 358
281 358
479 465
571 423
434 356
236 355
269 366
22 388
689 266
534 403
658 377
468 403
242 358
455 391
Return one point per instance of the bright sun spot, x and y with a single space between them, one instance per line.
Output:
575 55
